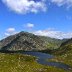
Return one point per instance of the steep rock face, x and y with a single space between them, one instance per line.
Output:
29 42
6 41
22 41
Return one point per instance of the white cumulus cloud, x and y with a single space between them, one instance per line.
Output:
30 25
6 34
10 31
53 34
68 3
25 6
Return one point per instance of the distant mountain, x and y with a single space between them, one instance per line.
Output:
52 43
22 41
29 42
65 47
67 43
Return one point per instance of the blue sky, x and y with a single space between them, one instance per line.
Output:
43 17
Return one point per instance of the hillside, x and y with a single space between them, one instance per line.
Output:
22 41
52 43
67 44
23 63
29 42
64 53
65 47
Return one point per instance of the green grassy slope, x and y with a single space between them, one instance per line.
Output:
52 43
23 63
64 53
62 49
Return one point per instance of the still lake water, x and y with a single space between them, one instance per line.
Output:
42 59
